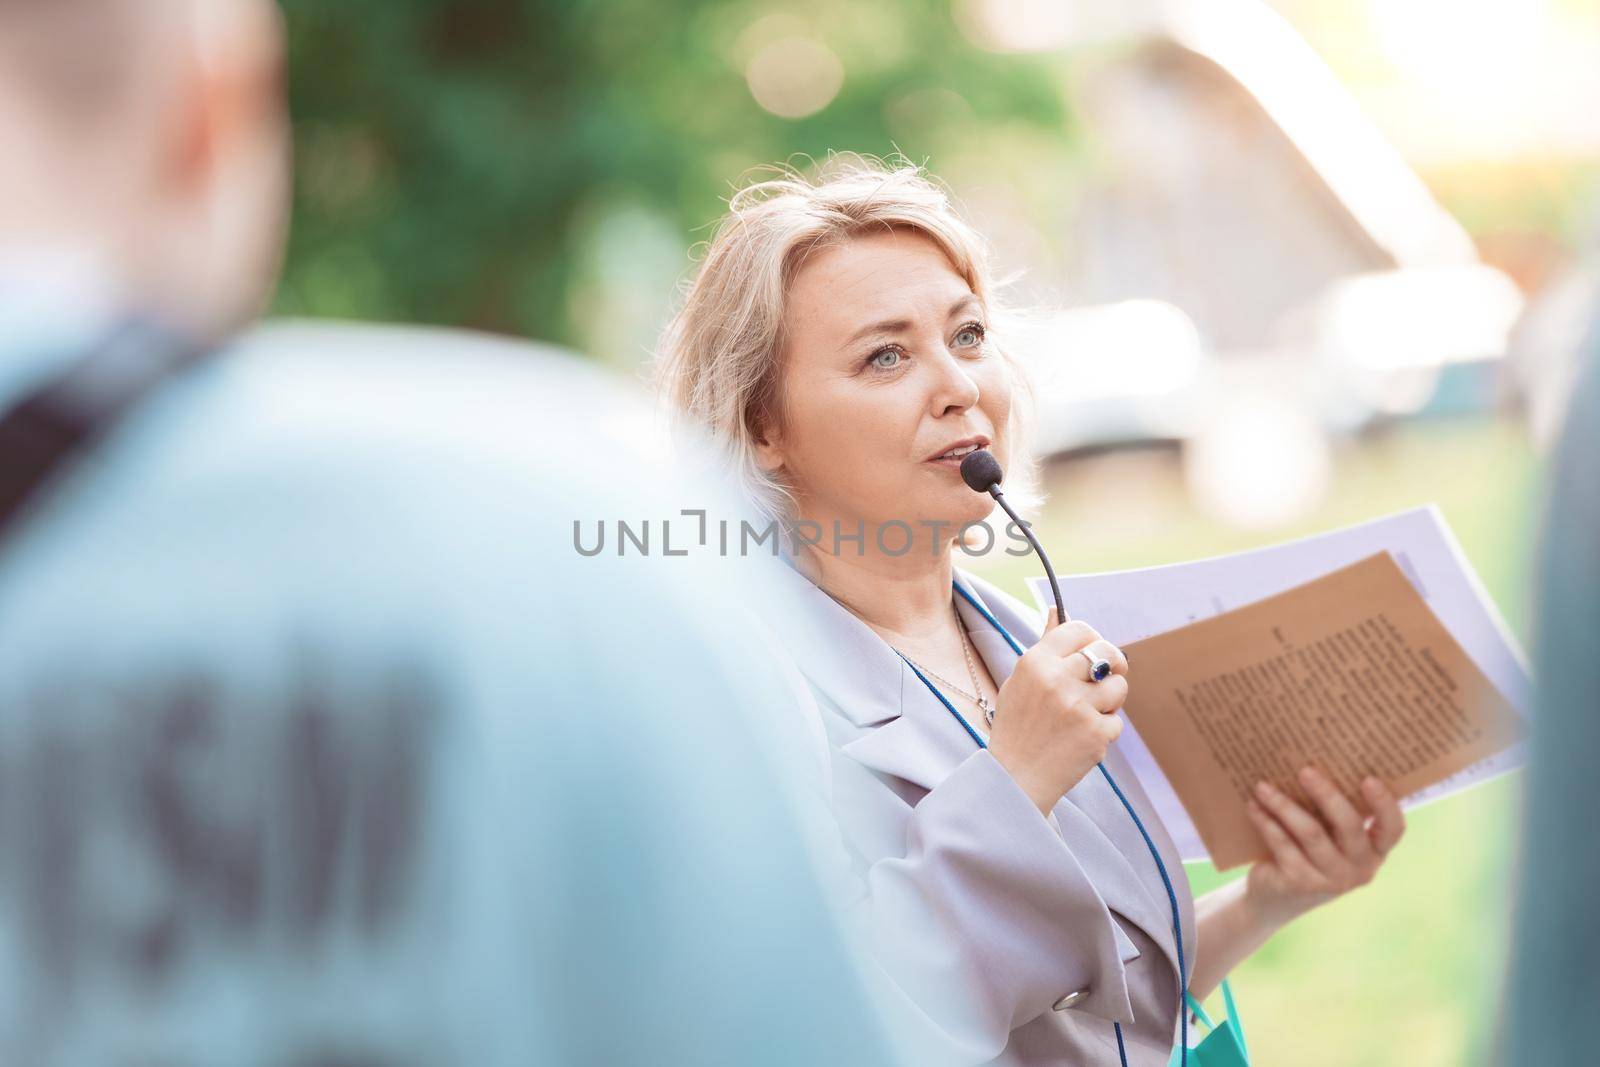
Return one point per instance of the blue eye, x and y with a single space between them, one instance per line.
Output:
880 353
973 331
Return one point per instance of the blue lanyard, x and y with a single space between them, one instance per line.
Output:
1172 897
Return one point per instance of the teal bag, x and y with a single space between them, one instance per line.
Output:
1224 1045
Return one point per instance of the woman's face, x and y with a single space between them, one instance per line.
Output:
887 367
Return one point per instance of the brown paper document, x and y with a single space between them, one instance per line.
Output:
1351 672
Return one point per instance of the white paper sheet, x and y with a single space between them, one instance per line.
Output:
1128 605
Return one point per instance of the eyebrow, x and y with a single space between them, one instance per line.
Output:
901 325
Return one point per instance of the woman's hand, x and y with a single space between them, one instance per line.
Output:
1316 859
1051 723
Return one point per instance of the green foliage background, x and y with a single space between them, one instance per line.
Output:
452 157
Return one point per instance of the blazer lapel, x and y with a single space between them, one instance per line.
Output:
922 745
907 732
850 668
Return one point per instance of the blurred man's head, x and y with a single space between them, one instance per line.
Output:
149 136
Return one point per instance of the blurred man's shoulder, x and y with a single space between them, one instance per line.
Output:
412 391
331 457
323 418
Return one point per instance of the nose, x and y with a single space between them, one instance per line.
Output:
954 390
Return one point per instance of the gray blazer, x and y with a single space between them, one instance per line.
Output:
1016 939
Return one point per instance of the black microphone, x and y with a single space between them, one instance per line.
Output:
982 473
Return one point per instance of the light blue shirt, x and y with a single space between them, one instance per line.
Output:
317 737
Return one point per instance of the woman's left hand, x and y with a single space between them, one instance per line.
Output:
1316 859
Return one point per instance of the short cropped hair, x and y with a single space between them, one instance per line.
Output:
719 360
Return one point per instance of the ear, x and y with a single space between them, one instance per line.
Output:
233 91
227 162
769 449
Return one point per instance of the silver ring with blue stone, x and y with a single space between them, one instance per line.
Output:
1098 668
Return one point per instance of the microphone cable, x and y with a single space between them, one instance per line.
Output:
982 473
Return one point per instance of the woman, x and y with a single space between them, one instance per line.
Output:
837 340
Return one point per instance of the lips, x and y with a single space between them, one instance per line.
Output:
958 449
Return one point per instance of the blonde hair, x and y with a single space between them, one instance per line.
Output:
719 359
